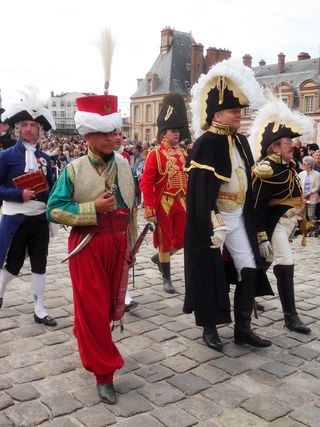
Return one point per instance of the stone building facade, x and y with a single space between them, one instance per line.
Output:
180 63
63 108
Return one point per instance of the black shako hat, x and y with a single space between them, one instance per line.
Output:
273 132
177 101
168 119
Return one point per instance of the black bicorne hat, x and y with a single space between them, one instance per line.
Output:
168 119
221 98
25 115
273 132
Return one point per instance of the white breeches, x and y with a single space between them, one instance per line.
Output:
282 254
237 241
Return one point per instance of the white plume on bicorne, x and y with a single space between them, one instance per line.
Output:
275 110
106 47
30 101
243 77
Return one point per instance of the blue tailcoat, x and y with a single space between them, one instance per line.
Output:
12 164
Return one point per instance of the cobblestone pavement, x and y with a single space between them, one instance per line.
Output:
170 378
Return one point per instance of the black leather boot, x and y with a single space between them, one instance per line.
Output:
285 284
212 339
155 259
1 301
259 306
166 274
243 305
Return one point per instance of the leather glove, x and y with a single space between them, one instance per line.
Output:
152 219
218 238
265 249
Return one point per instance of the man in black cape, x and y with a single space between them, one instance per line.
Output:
220 209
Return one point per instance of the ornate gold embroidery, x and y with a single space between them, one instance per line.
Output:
69 218
148 212
262 236
263 169
167 202
219 129
87 208
239 198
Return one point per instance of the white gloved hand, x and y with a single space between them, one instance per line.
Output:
265 249
218 238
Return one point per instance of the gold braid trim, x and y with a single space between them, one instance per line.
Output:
161 172
195 165
295 202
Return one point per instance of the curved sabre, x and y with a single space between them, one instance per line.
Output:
88 237
78 248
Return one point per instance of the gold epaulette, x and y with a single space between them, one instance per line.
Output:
263 169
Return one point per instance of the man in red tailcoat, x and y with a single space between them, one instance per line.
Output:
164 186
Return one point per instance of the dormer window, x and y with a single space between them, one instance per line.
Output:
149 86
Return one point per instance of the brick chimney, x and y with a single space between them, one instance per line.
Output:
262 62
52 94
247 60
196 66
139 83
215 55
303 55
223 54
166 39
281 62
212 57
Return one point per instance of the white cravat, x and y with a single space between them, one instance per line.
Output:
31 161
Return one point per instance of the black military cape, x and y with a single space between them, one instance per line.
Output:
206 279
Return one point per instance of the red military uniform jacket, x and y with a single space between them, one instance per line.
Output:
163 174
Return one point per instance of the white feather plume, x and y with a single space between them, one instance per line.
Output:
242 76
277 110
30 101
106 47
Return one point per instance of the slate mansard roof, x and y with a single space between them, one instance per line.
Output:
171 69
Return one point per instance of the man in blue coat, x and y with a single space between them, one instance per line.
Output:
23 225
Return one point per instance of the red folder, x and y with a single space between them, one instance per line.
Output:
35 181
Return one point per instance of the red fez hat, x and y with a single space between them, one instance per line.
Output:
99 104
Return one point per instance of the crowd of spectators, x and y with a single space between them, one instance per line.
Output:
63 149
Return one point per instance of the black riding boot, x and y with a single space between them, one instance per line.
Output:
243 305
155 259
285 284
211 338
166 274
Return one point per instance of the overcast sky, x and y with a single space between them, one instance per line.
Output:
52 44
